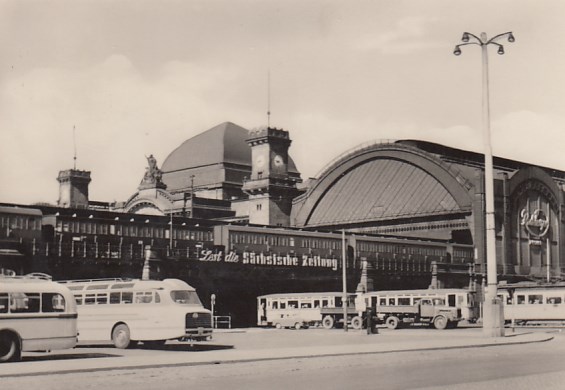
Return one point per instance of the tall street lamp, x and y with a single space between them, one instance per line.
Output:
493 318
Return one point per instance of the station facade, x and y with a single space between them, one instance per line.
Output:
407 188
228 211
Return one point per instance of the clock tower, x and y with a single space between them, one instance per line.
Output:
270 188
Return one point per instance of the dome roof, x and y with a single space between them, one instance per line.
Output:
224 143
209 148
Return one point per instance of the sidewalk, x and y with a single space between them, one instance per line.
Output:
354 343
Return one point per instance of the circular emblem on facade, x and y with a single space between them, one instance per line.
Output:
536 224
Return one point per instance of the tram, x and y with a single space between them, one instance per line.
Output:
529 302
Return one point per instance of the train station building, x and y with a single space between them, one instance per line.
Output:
407 188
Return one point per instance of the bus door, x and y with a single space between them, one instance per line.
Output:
451 300
262 311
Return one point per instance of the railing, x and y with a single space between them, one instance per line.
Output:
221 320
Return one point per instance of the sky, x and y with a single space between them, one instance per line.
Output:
140 77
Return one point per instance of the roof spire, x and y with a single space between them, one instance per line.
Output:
269 98
75 149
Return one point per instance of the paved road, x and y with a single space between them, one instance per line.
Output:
524 366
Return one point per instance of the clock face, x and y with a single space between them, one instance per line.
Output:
278 160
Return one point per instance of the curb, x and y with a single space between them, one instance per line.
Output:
273 358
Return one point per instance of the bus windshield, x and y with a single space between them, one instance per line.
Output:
185 297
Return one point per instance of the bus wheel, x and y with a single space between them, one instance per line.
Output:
121 336
278 326
328 322
392 322
9 348
297 326
440 322
357 322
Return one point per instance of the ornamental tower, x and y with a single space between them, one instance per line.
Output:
270 188
73 188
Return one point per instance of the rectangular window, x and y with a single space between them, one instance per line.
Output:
78 299
3 303
382 301
391 301
275 304
143 297
52 302
404 301
24 303
102 299
127 297
292 304
90 299
554 300
115 298
521 299
535 299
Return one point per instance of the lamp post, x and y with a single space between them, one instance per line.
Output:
344 278
493 318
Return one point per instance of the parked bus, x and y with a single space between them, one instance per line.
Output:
126 311
36 314
532 302
459 298
296 309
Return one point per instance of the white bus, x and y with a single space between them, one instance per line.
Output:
533 302
460 298
36 314
126 311
296 309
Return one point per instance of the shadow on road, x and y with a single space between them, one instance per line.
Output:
67 356
176 347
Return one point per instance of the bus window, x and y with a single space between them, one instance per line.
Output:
338 301
90 299
325 303
521 299
101 299
416 300
275 304
509 300
535 299
292 304
3 303
306 305
391 301
147 297
283 305
115 298
316 303
127 297
52 302
24 303
554 300
404 301
184 297
157 298
382 301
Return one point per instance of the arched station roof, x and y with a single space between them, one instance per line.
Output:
383 182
